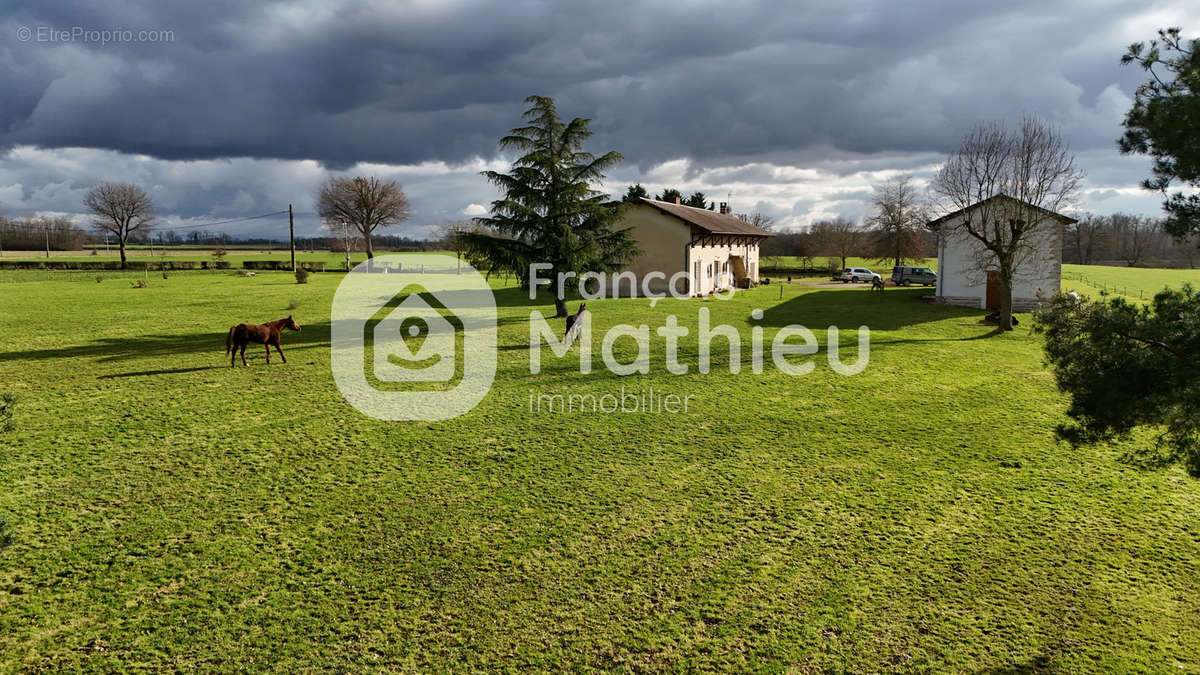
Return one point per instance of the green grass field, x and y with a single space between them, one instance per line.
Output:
169 512
1131 282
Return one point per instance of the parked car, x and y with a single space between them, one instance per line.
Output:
906 276
859 274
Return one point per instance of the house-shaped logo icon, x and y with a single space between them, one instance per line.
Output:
413 342
419 344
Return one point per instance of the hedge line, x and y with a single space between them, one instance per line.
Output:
170 265
112 265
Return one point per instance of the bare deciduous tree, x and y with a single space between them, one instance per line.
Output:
899 222
1034 167
1087 237
120 209
1136 233
450 236
363 204
757 219
1190 245
840 238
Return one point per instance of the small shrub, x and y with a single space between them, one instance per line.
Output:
99 278
139 283
95 252
301 275
219 254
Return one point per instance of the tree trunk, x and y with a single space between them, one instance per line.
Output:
370 251
1006 300
121 244
560 308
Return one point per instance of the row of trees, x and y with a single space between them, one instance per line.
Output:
840 239
1127 239
31 234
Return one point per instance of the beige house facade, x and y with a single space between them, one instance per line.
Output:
699 251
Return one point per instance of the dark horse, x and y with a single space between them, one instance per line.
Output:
267 334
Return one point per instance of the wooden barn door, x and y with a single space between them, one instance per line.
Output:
992 300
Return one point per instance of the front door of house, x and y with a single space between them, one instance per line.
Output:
992 299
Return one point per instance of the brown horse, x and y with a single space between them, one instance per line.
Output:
267 334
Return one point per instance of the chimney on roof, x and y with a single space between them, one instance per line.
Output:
676 199
725 208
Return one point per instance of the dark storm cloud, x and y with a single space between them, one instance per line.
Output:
791 109
402 83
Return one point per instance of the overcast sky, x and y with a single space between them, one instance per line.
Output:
793 109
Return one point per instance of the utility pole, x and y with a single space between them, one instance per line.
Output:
46 226
292 236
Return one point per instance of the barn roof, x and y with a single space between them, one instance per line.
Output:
712 222
1065 220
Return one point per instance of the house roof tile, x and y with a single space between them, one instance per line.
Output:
709 221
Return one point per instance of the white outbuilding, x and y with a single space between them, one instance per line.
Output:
967 274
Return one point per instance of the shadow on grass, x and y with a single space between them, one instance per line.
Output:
119 349
891 310
1038 664
982 336
165 371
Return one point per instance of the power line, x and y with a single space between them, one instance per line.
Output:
224 222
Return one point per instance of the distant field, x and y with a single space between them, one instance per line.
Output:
1134 282
233 255
1137 283
171 513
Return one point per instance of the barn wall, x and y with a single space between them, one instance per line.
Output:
961 284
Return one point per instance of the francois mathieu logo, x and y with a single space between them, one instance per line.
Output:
414 338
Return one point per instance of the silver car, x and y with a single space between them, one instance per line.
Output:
851 274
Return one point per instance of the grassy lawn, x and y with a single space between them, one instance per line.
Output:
171 513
